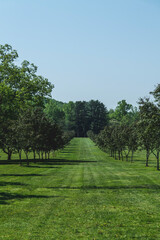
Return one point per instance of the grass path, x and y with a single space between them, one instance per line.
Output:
81 194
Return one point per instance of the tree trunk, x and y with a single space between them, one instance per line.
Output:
122 155
115 156
39 156
147 158
119 155
26 152
34 156
111 153
132 156
9 154
20 157
157 160
27 162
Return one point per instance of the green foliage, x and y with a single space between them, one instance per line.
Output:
80 116
26 125
90 115
23 124
149 128
20 84
70 117
129 130
121 139
55 113
124 113
156 94
98 116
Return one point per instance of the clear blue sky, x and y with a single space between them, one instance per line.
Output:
89 49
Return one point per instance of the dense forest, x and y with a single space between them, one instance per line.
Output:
31 121
79 117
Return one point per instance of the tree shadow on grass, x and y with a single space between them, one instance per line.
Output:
12 184
5 197
108 187
42 167
53 162
22 175
58 163
68 152
45 162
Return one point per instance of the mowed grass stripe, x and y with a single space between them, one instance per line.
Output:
81 194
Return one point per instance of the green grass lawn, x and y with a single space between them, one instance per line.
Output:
81 194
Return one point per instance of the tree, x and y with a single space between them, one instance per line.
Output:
7 138
26 87
70 117
156 133
81 118
55 113
35 132
156 94
145 126
97 116
156 123
124 113
20 89
133 139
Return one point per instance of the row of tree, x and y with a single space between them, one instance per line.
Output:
24 126
130 130
31 121
33 132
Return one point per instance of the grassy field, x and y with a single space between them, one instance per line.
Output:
81 194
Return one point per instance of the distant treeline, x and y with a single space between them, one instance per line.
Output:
80 116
